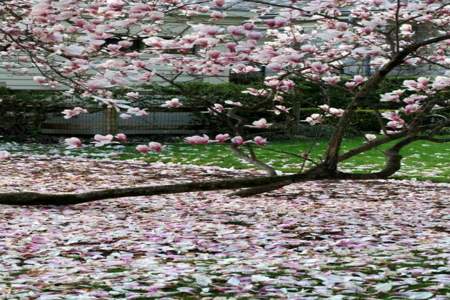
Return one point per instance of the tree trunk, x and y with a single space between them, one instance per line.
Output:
33 198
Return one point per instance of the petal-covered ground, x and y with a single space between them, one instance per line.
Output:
330 240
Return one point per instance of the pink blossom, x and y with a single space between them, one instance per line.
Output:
274 66
392 96
116 4
214 54
40 79
156 15
261 124
219 3
319 68
395 124
314 119
420 85
96 84
236 31
121 137
286 85
155 147
172 103
217 109
441 83
222 138
243 69
209 30
73 50
237 140
411 108
272 82
254 35
249 26
276 22
295 58
377 2
217 15
139 63
308 48
406 30
260 141
73 143
232 103
395 121
137 112
4 155
125 116
255 92
332 80
278 98
280 109
324 107
357 80
101 140
341 26
197 140
414 98
370 137
133 95
143 149
69 113
125 44
337 112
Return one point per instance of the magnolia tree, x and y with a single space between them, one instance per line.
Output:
92 48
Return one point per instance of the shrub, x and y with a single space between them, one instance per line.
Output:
24 111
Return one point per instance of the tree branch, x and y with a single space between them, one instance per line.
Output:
253 160
34 198
370 145
393 162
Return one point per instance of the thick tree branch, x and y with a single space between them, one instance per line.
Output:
33 198
393 162
370 145
397 26
260 189
252 159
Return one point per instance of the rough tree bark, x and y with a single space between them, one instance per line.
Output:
31 198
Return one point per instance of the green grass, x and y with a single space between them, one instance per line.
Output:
422 160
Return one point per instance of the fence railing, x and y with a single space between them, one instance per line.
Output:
108 121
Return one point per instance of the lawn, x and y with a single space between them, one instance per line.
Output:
382 239
336 240
423 160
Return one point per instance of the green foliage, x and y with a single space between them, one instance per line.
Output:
196 96
363 120
23 112
14 98
304 101
308 94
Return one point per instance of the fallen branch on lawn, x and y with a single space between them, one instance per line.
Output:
34 198
246 186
